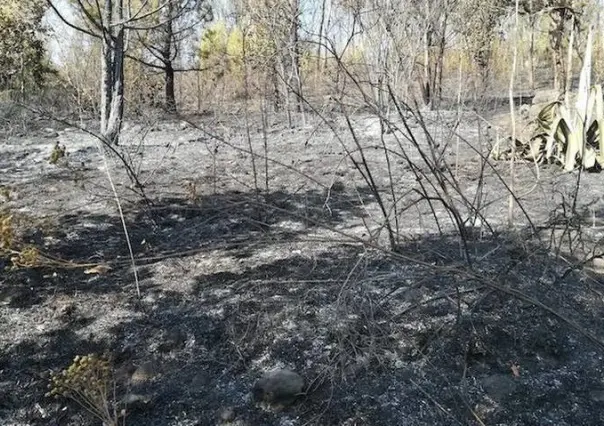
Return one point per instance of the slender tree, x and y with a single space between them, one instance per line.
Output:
276 24
112 22
434 17
163 41
478 22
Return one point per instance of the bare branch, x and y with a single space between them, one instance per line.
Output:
70 24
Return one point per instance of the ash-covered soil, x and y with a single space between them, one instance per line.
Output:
236 281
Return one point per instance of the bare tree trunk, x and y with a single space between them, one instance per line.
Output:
274 77
117 98
532 23
112 91
169 88
426 89
325 29
437 83
484 78
569 61
556 36
556 72
198 75
511 201
286 92
320 44
381 84
295 52
166 57
107 66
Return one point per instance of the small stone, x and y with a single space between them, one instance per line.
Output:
227 414
144 373
135 398
278 386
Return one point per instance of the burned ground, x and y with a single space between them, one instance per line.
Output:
235 282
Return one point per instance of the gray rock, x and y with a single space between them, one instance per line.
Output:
135 399
144 373
278 386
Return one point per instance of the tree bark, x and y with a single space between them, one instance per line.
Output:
106 66
169 88
295 52
532 25
532 53
320 44
426 87
166 58
274 77
556 34
112 91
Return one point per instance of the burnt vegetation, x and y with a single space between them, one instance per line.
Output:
333 213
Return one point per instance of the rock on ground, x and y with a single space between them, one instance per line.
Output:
278 386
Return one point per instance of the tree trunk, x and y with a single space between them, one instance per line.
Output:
169 88
439 64
166 58
277 95
532 23
325 29
116 114
320 44
556 72
198 75
427 78
106 66
569 61
112 91
428 75
556 36
295 52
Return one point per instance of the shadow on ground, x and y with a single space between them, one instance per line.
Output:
379 340
232 286
239 223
